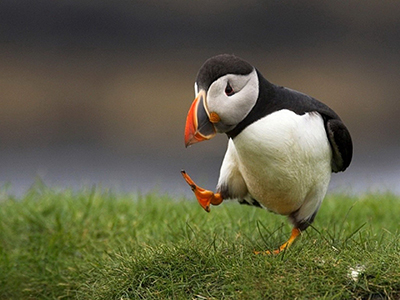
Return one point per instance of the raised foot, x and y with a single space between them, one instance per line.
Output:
295 233
204 197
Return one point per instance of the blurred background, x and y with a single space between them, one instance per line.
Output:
96 92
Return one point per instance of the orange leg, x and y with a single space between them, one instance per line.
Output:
295 233
204 197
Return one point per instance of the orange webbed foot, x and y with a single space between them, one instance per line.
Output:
204 197
295 233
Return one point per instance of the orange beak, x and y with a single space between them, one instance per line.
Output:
198 125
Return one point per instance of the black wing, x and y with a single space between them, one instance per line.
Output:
342 146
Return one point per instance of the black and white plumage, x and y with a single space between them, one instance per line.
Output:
283 145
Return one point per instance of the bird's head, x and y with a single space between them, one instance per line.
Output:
226 90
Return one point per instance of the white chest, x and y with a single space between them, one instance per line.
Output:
283 158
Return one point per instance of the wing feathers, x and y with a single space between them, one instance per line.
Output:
342 146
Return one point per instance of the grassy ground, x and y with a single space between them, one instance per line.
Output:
94 244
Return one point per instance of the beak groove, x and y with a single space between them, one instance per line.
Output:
198 125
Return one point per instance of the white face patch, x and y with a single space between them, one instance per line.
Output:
234 108
196 89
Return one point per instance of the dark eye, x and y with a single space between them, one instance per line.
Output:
229 90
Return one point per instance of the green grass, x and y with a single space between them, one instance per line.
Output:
94 244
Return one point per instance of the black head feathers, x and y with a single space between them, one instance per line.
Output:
220 65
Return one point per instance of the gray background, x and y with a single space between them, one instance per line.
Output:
96 92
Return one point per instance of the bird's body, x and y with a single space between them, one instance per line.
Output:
283 145
293 170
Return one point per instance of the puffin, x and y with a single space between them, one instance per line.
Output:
283 145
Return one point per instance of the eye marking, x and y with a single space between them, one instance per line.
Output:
229 90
